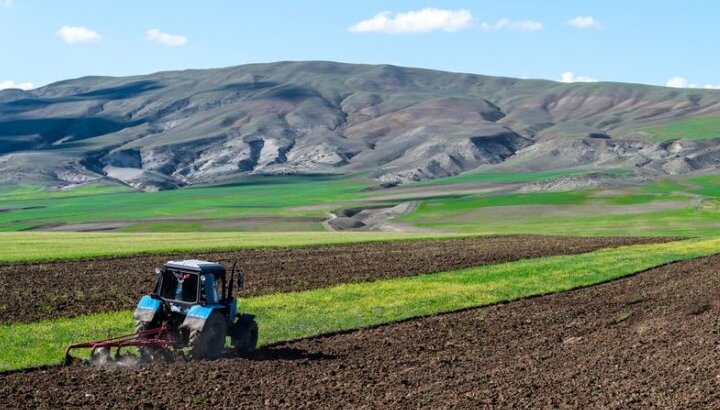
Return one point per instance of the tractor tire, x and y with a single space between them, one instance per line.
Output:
245 337
148 354
209 342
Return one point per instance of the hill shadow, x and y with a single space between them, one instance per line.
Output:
108 93
122 91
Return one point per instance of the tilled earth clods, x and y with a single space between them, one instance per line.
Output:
650 340
31 292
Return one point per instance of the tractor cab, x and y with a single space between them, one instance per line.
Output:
191 282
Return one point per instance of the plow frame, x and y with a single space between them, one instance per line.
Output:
150 338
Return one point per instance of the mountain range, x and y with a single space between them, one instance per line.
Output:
178 128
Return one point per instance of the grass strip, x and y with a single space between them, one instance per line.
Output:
293 315
46 246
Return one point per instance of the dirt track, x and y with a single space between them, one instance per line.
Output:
646 341
61 289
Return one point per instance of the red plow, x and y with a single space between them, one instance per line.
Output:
154 338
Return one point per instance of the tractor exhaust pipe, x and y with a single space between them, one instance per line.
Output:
231 282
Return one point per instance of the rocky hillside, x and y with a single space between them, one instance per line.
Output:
171 129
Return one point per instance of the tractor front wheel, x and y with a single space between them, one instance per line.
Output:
209 342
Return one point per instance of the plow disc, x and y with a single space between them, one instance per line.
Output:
153 338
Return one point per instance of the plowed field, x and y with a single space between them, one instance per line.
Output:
647 340
31 292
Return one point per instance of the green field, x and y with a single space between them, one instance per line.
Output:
476 202
288 316
680 207
43 246
289 203
36 192
444 208
255 197
702 220
498 177
695 128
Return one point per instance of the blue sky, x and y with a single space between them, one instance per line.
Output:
648 42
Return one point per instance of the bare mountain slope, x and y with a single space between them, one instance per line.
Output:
171 129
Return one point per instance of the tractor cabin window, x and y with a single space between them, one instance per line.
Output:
179 286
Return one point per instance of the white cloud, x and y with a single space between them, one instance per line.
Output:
507 24
12 84
570 77
6 3
585 22
419 21
166 39
677 82
77 34
681 82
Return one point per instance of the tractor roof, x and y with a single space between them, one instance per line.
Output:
197 266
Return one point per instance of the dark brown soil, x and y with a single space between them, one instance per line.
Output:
31 292
645 341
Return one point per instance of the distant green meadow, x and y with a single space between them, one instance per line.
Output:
682 207
293 315
36 192
288 203
467 203
268 196
498 177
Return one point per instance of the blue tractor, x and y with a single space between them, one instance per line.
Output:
192 306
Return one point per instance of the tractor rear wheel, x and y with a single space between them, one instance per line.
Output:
245 337
209 342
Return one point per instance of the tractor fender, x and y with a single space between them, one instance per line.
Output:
146 309
197 315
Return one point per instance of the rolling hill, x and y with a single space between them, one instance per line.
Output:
395 124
